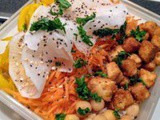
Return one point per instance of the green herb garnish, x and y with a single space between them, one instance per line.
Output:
82 89
80 63
105 32
116 114
60 116
126 86
48 25
83 21
95 97
83 111
141 80
58 64
63 5
84 36
84 92
135 79
120 57
138 34
122 33
100 73
123 28
113 32
73 51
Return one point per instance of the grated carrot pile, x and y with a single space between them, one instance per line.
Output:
59 96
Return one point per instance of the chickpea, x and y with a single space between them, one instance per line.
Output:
100 117
109 115
133 110
157 31
83 105
157 58
97 106
72 117
127 117
90 117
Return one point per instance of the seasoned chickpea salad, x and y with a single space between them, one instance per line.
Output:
80 60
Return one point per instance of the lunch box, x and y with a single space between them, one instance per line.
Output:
149 109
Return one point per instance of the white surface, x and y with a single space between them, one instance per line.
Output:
156 115
8 114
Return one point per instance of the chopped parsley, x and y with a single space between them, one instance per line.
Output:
122 33
126 86
60 116
73 51
135 79
116 114
63 5
138 34
113 32
95 97
83 111
120 57
83 21
142 81
80 63
48 25
105 32
58 64
100 73
83 91
123 28
84 36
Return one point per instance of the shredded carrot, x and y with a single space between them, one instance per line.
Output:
59 96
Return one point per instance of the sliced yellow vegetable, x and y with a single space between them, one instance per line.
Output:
4 60
7 38
5 80
25 16
47 2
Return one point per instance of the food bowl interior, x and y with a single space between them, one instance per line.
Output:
148 108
